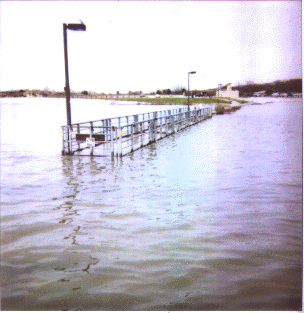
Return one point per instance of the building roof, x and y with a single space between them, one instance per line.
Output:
225 86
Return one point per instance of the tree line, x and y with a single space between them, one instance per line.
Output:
248 89
178 90
281 86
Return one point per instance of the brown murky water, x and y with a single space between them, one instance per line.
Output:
208 219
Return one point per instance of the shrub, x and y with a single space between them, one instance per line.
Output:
220 109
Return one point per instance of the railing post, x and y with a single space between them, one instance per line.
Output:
63 141
103 130
116 138
154 126
106 130
149 130
132 125
166 124
141 134
112 140
181 121
109 130
78 131
70 139
120 142
135 117
172 123
109 124
91 136
153 131
160 125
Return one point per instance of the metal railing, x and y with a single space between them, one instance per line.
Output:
122 135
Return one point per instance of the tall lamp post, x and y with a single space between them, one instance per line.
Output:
188 87
218 92
76 27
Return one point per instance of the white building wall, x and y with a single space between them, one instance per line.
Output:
228 93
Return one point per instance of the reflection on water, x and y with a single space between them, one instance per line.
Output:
207 219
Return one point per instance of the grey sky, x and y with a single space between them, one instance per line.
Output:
149 45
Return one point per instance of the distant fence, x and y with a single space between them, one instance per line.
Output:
119 136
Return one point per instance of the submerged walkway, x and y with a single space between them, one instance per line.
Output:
119 136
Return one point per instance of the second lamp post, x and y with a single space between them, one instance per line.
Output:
188 87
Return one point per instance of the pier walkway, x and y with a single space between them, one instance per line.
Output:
119 136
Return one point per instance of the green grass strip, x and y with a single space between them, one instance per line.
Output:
161 101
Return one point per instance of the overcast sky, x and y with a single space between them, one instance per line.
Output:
149 45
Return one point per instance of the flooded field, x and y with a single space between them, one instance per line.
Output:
207 219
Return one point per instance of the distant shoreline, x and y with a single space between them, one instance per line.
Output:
141 99
152 99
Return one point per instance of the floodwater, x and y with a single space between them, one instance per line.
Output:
207 219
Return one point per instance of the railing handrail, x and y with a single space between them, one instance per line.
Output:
132 115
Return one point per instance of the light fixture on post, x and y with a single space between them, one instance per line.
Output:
188 87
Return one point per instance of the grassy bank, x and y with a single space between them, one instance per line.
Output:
237 100
161 101
241 101
222 109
